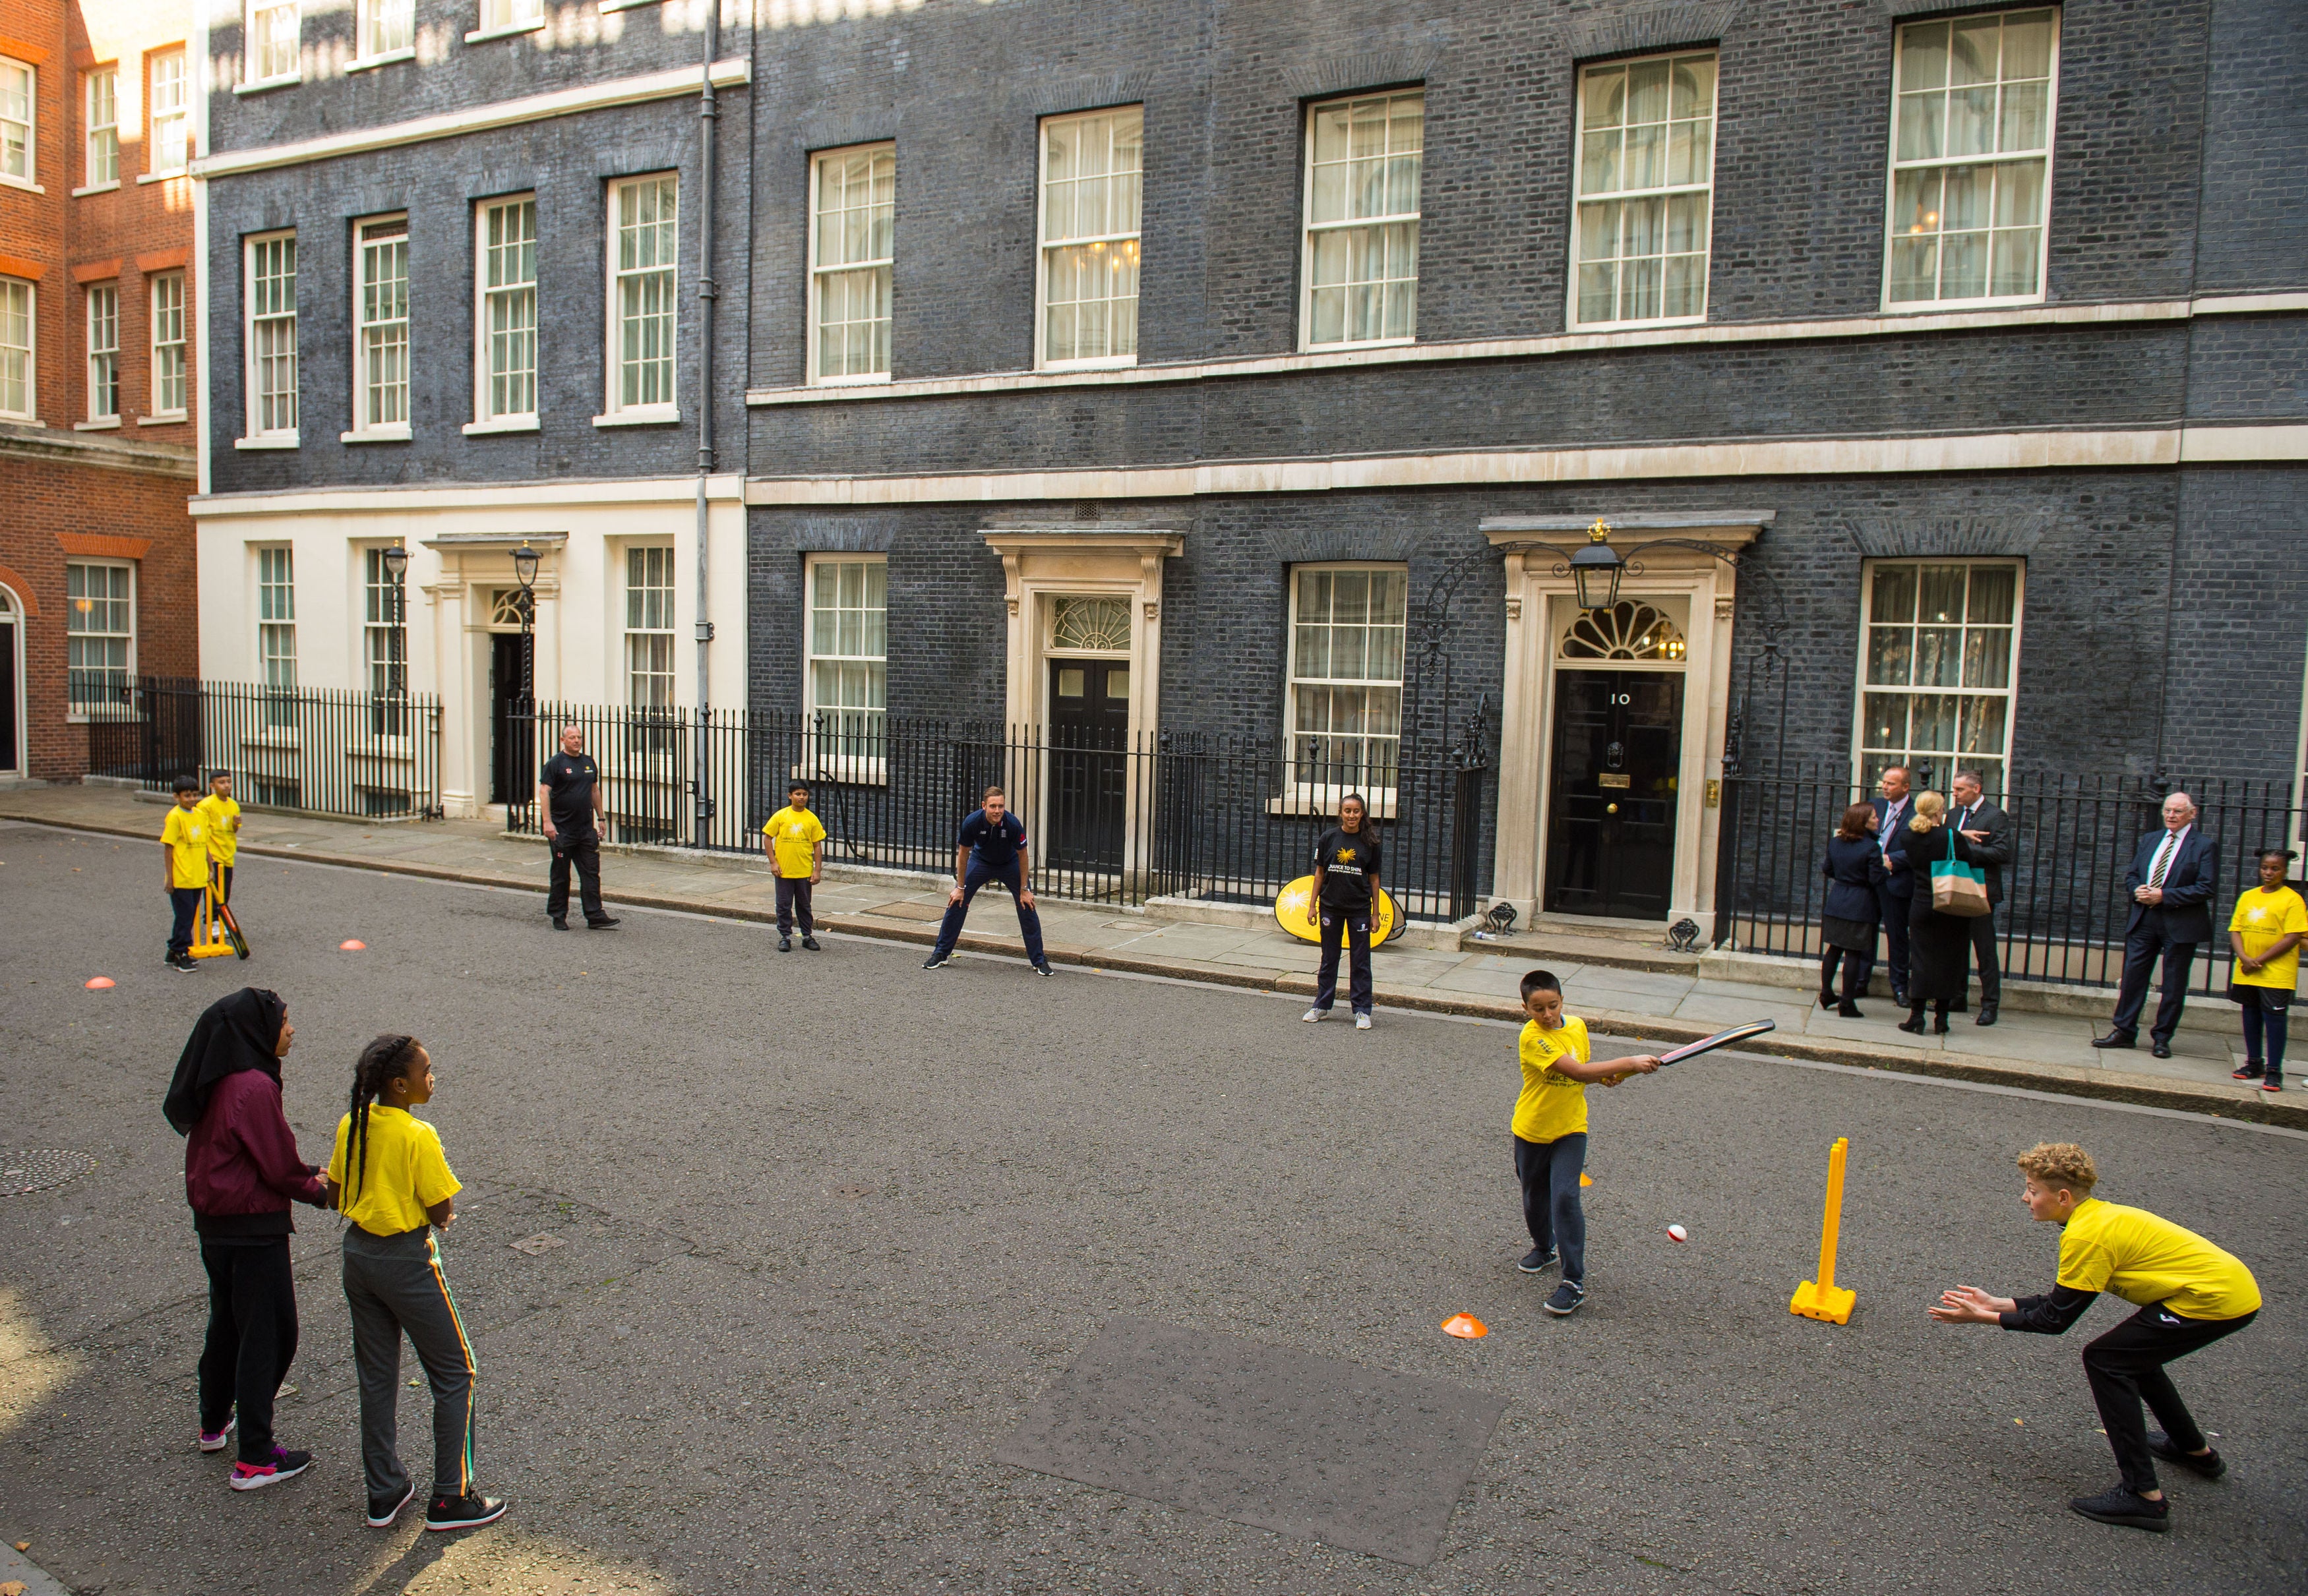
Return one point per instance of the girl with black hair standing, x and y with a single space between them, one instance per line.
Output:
242 1171
2264 935
395 1185
1344 898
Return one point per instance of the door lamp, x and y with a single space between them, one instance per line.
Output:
524 566
396 562
1596 569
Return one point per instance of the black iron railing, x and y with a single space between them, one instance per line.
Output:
1110 819
2064 906
372 755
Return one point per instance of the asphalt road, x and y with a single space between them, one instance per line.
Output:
833 1223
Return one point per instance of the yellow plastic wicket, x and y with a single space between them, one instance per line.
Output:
209 941
1823 1299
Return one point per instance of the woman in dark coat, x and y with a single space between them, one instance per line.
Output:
1939 946
1854 869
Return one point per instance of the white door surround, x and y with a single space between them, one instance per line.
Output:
1690 586
471 565
1042 562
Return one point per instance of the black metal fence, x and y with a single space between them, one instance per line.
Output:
372 755
1110 819
2064 905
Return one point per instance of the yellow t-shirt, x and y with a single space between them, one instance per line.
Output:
224 826
185 831
2261 918
1552 1105
796 833
2148 1260
403 1172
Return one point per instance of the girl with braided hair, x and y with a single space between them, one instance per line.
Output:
394 1185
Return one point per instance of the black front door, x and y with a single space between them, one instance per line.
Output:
1610 831
8 696
1089 727
513 762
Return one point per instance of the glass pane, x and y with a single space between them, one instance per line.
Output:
1390 596
1686 224
1941 593
1349 597
1599 287
1690 152
1890 656
1117 682
1643 285
1915 202
1914 269
2024 117
1686 285
1606 97
2027 45
1070 682
1994 590
2019 193
1922 56
1966 198
1598 164
1884 721
1982 725
1971 121
1646 153
1694 86
1310 653
2017 253
1963 266
1932 722
1893 596
1938 656
1987 656
1647 91
1971 56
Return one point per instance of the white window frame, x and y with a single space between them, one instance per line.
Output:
376 340
27 352
257 433
648 656
171 358
254 37
1893 166
1323 796
101 317
384 644
276 634
1580 199
79 708
614 408
1125 239
1308 227
168 121
2008 693
853 746
386 31
28 129
486 416
885 264
498 19
100 104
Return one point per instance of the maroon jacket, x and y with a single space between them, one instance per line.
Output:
241 1167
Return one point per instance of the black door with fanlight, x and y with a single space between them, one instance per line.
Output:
1090 729
514 759
1611 810
8 727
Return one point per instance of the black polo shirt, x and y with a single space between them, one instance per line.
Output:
569 779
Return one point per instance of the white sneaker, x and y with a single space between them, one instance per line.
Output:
1311 1015
1362 1022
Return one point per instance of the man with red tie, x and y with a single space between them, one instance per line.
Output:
2174 876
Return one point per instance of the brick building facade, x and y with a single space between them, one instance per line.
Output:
98 372
1256 367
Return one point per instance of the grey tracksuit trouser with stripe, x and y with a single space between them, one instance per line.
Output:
394 1283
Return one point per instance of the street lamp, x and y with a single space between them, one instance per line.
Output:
1596 569
396 566
524 570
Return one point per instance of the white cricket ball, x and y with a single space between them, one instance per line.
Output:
1678 1233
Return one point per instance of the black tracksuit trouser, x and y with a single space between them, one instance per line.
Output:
2125 1368
251 1338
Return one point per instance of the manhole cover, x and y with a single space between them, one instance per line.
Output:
37 1169
544 1241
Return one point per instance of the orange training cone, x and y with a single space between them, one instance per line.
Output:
97 984
349 946
1466 1326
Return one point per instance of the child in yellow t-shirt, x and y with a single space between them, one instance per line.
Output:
184 843
2264 933
795 841
224 830
1550 1132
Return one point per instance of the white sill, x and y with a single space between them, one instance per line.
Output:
376 434
510 30
164 418
1636 326
30 188
108 424
873 380
269 441
499 423
840 770
15 420
1302 800
145 177
370 63
265 85
1924 307
642 416
1114 363
95 188
609 5
1368 343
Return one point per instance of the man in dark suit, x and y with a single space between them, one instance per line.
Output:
1988 829
1893 811
2174 876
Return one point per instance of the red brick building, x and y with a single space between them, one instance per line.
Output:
99 397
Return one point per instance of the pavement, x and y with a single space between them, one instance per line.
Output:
1676 1000
837 1236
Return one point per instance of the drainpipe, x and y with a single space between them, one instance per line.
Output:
709 113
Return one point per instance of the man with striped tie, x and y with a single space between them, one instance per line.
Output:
2174 876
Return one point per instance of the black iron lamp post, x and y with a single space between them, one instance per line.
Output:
396 566
524 570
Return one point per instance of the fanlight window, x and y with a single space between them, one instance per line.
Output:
505 606
1626 631
1100 623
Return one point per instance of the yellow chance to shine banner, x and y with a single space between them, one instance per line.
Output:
1290 914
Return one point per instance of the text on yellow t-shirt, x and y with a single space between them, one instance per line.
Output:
224 826
1552 1105
796 834
2261 919
185 832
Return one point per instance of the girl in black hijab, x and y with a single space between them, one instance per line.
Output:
241 1172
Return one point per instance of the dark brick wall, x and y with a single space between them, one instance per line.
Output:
2239 622
2255 184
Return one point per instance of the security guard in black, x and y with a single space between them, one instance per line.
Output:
569 789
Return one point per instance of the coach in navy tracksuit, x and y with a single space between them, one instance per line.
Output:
991 846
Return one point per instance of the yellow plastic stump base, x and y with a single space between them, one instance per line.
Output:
211 950
1830 1304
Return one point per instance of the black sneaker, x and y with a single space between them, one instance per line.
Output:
560 923
380 1518
1566 1300
810 942
1044 969
283 1465
2251 1071
2211 1465
603 924
1534 1261
463 1513
937 961
2118 1506
785 944
184 964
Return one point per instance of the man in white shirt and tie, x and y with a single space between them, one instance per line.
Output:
2173 878
1892 811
